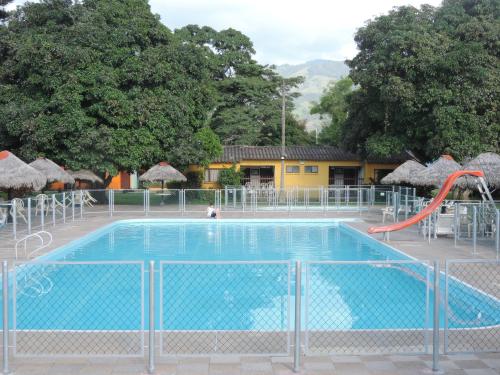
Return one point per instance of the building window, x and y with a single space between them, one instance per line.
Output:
311 169
211 175
292 169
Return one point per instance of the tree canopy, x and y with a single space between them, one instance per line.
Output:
428 81
104 85
248 107
333 104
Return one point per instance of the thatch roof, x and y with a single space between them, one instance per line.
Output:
52 171
162 172
403 173
85 175
489 163
16 174
436 173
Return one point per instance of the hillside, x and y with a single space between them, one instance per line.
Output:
318 74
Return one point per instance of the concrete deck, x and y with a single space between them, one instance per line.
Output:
409 241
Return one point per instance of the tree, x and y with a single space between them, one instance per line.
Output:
428 80
248 105
103 85
333 104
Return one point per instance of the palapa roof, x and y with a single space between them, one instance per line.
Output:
85 175
234 154
162 172
489 163
52 171
436 173
403 174
16 174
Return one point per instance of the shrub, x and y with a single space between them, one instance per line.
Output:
230 176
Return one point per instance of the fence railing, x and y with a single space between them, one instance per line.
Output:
369 307
472 306
91 309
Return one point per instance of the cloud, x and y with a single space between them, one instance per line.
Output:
290 31
284 31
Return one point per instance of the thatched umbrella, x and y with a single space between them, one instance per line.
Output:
489 163
15 174
163 172
403 173
86 175
52 171
436 173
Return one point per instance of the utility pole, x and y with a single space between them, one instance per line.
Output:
283 113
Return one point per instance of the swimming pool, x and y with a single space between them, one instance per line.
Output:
237 294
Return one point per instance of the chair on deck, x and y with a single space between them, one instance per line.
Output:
17 209
3 217
42 204
445 224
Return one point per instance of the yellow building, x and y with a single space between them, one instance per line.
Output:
305 166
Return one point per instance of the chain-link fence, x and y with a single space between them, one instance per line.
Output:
367 307
78 309
225 307
472 299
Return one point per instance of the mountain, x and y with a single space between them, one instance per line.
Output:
318 74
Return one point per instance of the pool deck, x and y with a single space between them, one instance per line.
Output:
459 364
408 241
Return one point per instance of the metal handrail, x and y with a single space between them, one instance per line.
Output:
38 235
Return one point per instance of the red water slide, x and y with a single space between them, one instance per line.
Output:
448 184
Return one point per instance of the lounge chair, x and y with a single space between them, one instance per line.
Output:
3 217
18 205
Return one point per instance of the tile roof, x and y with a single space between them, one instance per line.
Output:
233 154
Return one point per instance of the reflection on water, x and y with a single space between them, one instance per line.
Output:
217 240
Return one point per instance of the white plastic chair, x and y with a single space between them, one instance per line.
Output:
88 199
20 211
42 203
3 217
445 224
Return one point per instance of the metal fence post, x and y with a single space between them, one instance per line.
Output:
298 284
110 202
53 210
435 328
42 212
81 204
29 215
64 206
474 229
151 365
14 219
73 205
497 238
406 206
456 224
5 307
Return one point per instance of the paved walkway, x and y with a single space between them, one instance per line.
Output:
407 240
463 364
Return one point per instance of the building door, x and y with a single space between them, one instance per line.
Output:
124 180
255 177
343 176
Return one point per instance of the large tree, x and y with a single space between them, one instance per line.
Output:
103 85
333 105
248 106
429 80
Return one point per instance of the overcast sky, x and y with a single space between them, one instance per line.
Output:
292 31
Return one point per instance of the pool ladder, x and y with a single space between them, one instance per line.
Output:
43 236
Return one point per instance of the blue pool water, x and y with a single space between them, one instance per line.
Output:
241 295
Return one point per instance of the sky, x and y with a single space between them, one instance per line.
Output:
292 32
